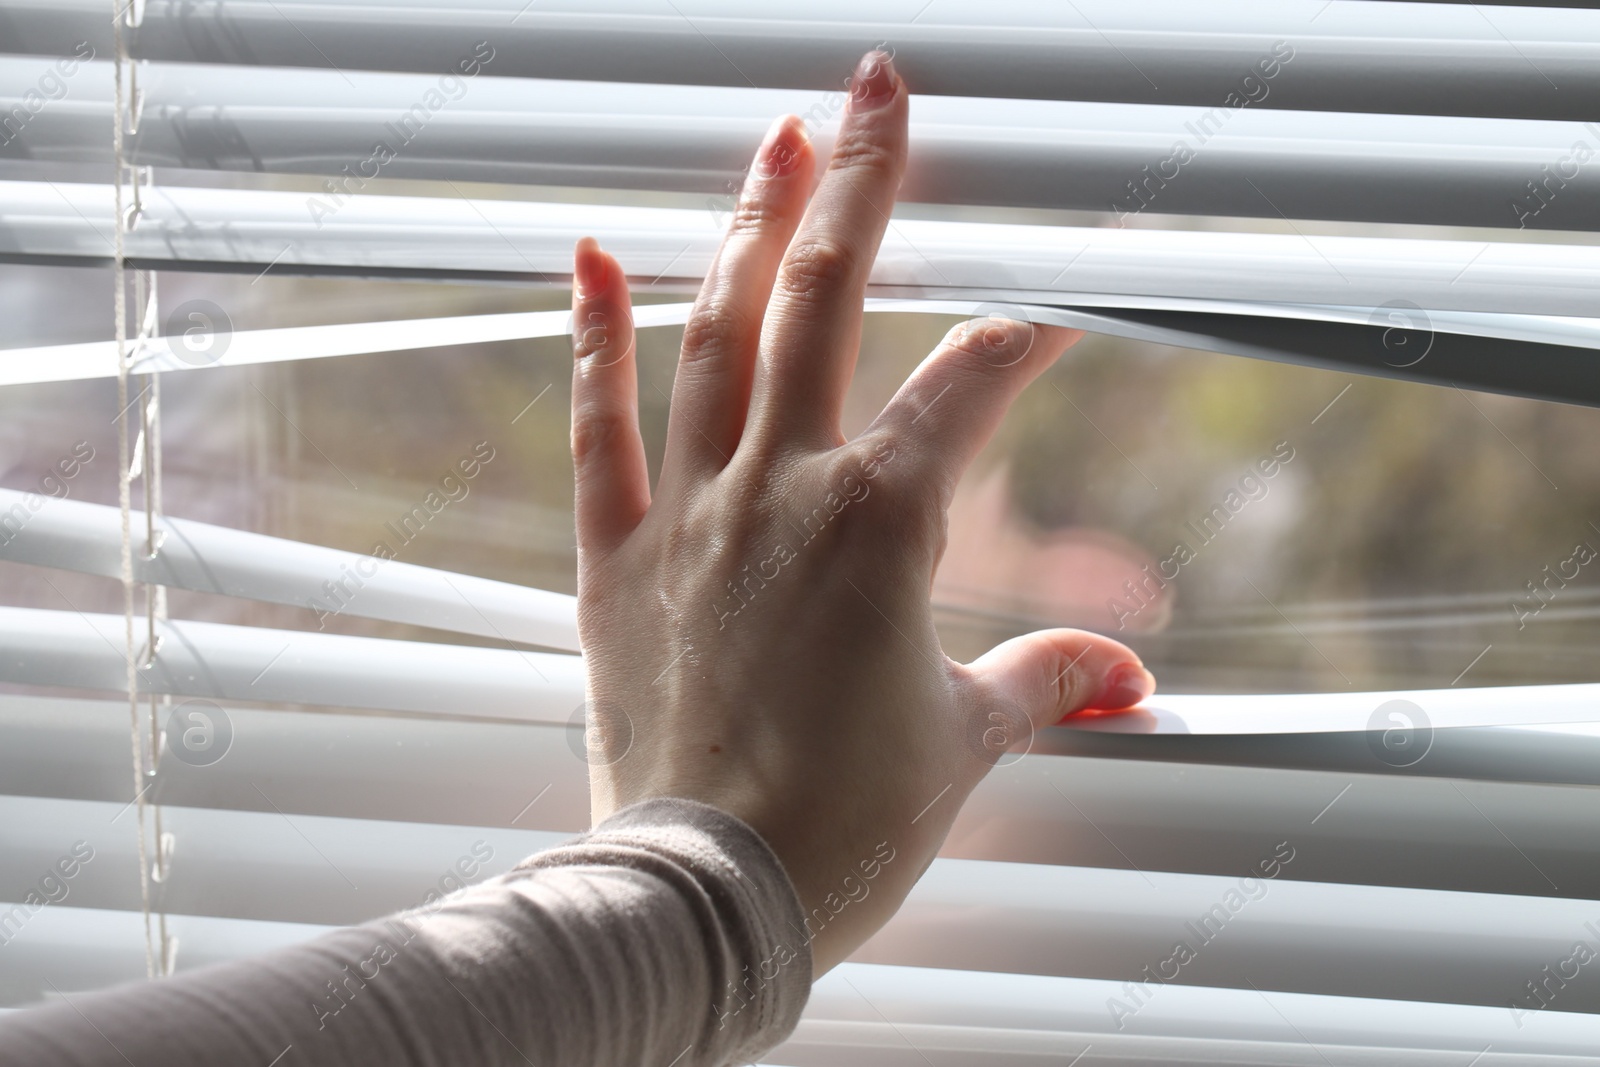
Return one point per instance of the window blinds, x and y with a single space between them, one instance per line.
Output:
362 772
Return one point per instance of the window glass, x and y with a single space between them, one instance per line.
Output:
1245 525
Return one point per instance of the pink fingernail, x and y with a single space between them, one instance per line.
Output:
874 83
1124 687
589 271
779 153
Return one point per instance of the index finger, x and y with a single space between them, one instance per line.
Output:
813 324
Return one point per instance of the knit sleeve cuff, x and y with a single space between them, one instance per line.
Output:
754 925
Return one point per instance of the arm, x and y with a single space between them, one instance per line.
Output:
665 936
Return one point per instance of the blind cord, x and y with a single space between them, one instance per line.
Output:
121 121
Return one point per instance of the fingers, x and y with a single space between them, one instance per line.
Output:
952 404
712 391
813 324
612 481
1051 674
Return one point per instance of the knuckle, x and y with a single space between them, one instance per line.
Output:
593 430
815 266
755 216
869 460
842 473
712 330
863 152
765 455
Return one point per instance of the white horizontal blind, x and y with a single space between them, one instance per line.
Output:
1386 58
211 559
361 773
1502 317
1235 160
440 237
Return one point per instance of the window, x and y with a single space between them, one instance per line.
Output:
1323 460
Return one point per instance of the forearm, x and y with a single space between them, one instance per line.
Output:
628 945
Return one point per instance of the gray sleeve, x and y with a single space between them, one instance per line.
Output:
669 936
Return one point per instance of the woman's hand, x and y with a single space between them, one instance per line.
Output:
759 634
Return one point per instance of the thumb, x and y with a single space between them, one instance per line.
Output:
1050 674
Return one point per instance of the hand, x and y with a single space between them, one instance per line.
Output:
759 635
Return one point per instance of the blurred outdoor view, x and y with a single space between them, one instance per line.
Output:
1397 529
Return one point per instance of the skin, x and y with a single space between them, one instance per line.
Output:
803 689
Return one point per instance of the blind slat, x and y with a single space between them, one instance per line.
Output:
1444 59
1120 159
216 661
1339 279
203 558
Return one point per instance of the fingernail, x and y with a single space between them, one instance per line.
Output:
874 83
1124 687
589 270
780 150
